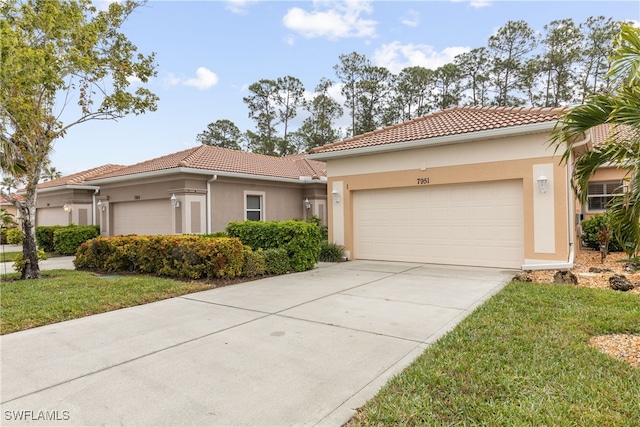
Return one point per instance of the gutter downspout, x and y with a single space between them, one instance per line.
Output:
571 220
215 177
93 206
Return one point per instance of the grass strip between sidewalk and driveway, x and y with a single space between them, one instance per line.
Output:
66 294
522 358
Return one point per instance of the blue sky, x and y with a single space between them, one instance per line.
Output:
209 52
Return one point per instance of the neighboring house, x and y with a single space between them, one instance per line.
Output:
8 206
202 189
69 199
465 186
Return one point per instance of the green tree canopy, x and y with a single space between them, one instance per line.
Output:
54 53
618 108
221 133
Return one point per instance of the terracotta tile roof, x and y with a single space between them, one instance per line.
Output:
453 121
600 133
224 160
79 178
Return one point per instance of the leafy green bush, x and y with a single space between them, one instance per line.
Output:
14 236
66 240
188 257
254 263
44 236
300 240
590 230
19 262
331 252
276 261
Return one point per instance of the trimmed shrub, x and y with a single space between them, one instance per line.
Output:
331 252
66 240
590 230
254 263
300 240
187 257
14 236
276 261
44 236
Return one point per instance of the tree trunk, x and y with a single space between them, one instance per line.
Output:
27 208
30 251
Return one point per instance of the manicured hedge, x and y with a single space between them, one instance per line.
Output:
14 236
188 257
300 240
44 236
66 240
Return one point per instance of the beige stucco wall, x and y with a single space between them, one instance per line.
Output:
282 200
521 158
50 205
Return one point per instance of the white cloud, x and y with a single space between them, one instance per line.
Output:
239 6
134 80
396 56
332 19
412 19
479 4
204 79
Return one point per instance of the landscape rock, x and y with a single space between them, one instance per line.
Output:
523 276
600 270
619 282
566 277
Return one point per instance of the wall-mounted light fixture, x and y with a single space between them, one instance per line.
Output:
101 206
307 203
174 201
542 183
67 207
336 196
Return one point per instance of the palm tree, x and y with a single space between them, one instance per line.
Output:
49 173
620 109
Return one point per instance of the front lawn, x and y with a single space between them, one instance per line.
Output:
66 294
522 358
9 256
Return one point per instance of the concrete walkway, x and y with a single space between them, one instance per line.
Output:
300 349
63 262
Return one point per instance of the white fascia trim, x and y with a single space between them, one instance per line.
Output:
441 140
66 187
207 172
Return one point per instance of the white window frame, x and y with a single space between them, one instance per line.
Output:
604 195
262 209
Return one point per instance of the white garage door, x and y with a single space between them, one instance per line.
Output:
52 216
141 217
477 224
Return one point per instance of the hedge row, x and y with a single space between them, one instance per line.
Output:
188 257
64 240
299 240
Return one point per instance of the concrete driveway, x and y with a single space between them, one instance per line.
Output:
301 349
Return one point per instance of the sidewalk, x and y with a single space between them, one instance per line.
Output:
55 263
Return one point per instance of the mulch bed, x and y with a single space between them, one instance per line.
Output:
624 347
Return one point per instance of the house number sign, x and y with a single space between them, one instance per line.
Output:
423 181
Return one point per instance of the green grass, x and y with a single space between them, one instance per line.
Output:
66 294
9 256
521 359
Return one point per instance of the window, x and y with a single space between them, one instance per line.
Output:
601 193
254 206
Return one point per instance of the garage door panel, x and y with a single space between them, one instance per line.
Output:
472 224
141 217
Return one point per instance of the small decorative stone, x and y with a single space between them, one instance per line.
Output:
565 277
619 282
523 277
630 267
600 270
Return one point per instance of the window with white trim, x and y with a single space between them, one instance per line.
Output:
254 206
601 193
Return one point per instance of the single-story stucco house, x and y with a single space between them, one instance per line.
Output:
198 190
476 186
